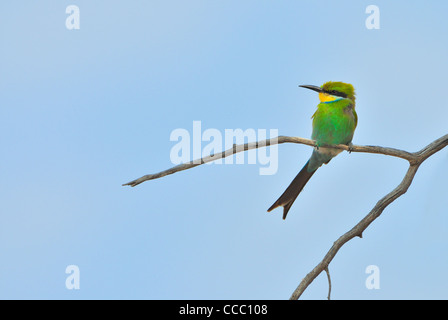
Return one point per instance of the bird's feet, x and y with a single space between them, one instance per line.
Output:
350 147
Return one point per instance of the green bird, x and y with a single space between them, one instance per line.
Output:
334 122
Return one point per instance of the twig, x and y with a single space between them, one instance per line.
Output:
329 282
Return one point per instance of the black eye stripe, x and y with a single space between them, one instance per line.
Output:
337 93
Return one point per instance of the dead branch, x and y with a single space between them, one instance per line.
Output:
269 142
415 159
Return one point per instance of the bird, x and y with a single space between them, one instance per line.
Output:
334 122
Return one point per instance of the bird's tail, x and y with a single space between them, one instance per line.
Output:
289 196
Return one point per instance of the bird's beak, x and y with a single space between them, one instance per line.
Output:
314 88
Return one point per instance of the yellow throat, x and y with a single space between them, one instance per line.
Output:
325 97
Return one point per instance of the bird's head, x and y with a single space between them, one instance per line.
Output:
333 91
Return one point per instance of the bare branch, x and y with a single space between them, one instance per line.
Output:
278 140
184 166
414 159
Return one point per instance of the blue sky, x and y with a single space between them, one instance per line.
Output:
84 111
